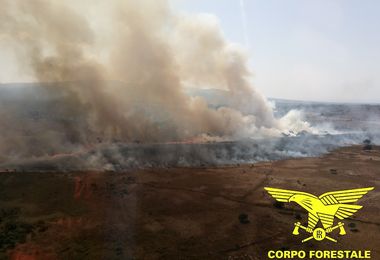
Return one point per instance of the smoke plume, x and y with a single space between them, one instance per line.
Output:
121 68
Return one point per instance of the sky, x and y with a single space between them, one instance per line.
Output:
322 50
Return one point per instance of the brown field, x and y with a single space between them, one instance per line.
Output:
182 213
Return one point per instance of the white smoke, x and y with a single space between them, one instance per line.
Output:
124 66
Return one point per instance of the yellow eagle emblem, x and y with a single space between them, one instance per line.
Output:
323 208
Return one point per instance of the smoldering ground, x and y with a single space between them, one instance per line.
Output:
110 75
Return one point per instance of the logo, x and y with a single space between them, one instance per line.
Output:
324 209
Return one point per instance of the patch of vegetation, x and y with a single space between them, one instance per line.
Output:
13 230
278 204
367 145
243 218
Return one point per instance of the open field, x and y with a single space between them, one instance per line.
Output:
181 213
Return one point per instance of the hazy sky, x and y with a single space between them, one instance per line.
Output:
305 49
325 50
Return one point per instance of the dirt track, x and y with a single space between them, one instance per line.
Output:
182 213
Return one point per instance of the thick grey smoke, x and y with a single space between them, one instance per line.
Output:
124 67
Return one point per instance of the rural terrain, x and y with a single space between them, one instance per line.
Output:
182 213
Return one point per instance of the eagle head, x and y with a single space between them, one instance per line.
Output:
302 200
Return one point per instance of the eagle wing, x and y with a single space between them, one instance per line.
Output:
342 197
284 195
